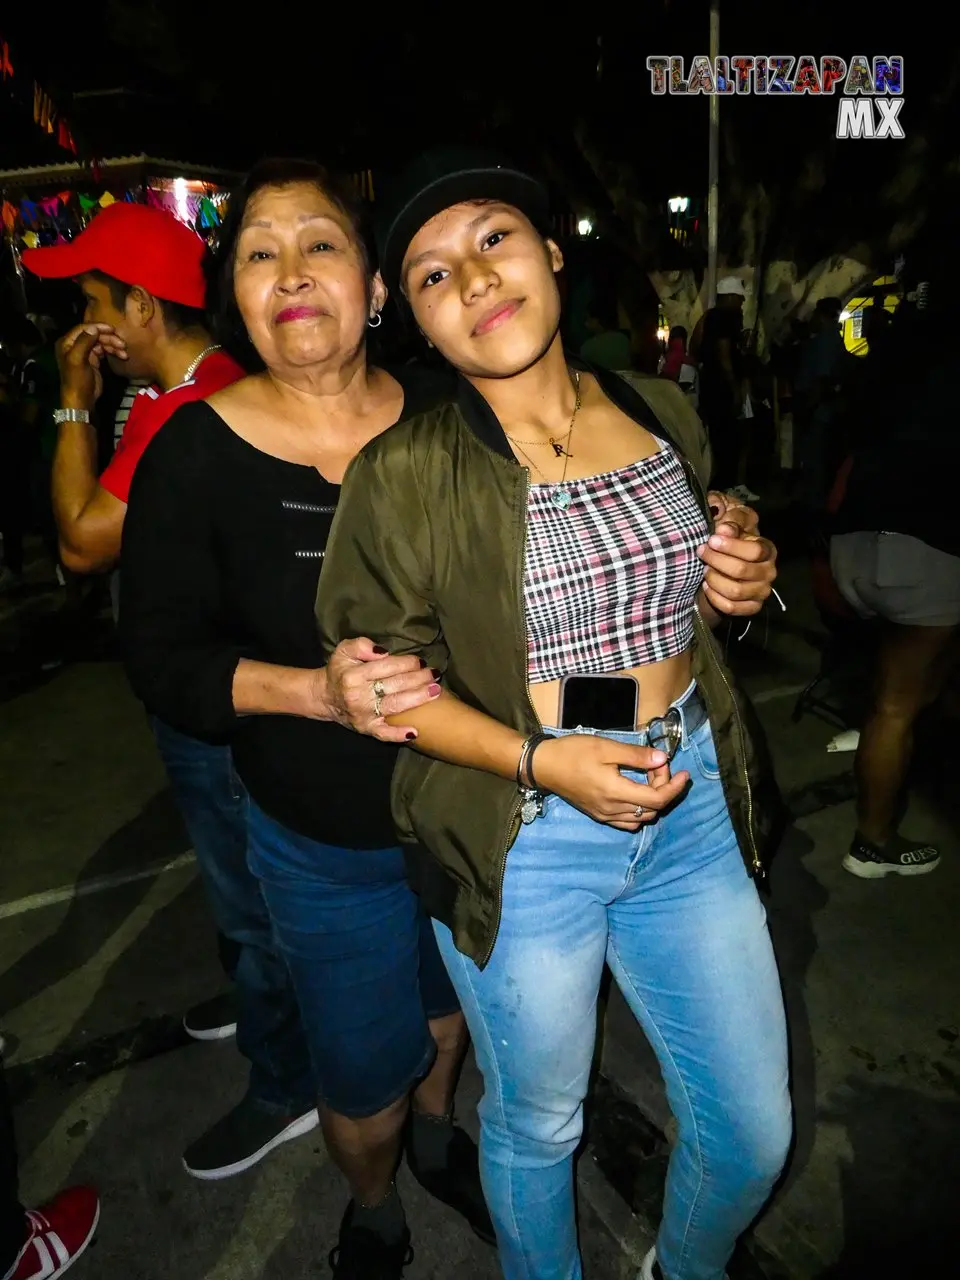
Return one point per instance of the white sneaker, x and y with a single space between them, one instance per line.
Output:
745 494
650 1268
646 1271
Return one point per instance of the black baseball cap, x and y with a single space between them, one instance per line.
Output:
439 179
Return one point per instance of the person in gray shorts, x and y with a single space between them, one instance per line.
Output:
895 556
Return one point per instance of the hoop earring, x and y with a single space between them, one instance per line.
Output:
375 321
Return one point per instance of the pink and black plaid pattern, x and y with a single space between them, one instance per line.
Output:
611 581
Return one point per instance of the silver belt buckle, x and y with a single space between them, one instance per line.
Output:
665 733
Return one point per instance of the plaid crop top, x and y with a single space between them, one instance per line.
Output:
611 578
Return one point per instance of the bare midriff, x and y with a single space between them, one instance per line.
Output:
659 684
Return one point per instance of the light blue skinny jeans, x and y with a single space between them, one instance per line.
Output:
674 913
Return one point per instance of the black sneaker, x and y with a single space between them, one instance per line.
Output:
215 1019
363 1255
897 857
457 1184
241 1139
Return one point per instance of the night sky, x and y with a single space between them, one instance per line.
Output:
216 87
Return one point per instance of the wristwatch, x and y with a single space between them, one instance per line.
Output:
71 415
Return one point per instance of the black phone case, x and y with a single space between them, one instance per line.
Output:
623 723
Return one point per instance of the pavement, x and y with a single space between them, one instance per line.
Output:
105 940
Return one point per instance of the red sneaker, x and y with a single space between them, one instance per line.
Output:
59 1233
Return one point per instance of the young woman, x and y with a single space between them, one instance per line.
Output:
552 521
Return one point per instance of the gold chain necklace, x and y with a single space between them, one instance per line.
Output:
559 497
553 442
194 365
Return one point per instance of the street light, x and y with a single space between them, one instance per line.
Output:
678 204
584 227
713 164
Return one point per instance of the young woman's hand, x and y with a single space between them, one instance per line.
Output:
731 516
740 573
585 770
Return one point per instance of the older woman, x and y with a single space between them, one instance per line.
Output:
224 540
594 794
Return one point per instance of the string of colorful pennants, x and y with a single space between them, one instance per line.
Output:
46 115
56 218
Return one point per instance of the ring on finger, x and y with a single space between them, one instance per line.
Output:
379 693
639 811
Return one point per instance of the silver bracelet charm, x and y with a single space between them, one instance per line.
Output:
532 806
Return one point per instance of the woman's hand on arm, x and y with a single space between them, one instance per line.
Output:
341 692
345 689
582 768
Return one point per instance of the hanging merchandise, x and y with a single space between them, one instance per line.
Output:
208 213
44 217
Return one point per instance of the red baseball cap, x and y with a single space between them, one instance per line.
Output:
135 244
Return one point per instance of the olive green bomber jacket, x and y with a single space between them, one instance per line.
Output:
426 557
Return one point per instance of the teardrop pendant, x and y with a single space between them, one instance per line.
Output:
561 498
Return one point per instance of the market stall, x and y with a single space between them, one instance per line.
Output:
49 204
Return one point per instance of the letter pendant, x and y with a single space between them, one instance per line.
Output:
558 449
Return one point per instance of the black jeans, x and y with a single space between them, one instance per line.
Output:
13 1223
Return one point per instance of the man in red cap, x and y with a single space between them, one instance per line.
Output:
141 272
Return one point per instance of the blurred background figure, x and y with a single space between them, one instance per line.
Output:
716 347
608 345
28 396
675 356
895 556
820 362
679 367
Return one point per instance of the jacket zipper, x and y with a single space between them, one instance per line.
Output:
524 640
756 864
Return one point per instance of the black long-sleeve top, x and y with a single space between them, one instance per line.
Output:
222 550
